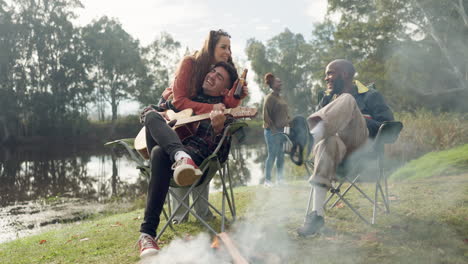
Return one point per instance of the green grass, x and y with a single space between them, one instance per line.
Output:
442 163
428 223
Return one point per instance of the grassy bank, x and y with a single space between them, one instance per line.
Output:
428 224
441 163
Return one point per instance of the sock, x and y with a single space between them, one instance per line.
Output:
320 194
318 131
181 154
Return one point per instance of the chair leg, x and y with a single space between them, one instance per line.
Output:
353 183
175 210
387 201
167 219
352 208
225 196
378 187
233 212
332 195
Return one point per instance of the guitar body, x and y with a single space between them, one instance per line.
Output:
186 125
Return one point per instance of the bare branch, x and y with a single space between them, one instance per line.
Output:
461 11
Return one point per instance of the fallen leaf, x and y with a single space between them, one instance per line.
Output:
42 241
392 198
116 224
339 205
84 239
465 240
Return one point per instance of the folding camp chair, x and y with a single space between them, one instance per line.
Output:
210 166
350 172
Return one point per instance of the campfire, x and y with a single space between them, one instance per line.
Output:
223 241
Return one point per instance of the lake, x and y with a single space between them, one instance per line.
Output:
44 187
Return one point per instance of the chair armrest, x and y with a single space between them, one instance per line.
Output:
231 129
128 144
387 134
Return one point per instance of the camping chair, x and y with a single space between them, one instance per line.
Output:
349 171
210 166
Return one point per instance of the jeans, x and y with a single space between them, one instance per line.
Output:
274 144
163 143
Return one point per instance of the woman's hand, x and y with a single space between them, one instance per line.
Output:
217 121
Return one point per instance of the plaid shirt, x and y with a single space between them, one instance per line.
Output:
204 141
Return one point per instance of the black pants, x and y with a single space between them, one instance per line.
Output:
163 143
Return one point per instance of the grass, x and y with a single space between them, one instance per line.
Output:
442 163
428 224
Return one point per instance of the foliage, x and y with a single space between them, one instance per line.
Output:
414 50
51 71
117 64
161 58
287 56
424 131
43 74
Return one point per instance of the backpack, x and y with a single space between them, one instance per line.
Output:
301 139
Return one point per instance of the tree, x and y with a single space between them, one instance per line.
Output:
161 58
288 56
118 66
45 74
8 55
413 50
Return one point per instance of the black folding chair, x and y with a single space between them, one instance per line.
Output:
349 171
211 166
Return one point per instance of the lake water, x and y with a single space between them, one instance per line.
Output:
43 187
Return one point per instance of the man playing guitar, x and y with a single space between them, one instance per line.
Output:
172 156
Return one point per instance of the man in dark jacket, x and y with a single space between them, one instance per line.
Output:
346 117
171 157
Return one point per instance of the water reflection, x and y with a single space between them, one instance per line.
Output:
48 185
31 174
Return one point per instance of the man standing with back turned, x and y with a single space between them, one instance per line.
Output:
347 115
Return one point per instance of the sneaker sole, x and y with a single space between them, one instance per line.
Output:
149 252
186 175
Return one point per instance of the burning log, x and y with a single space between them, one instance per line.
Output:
223 241
230 246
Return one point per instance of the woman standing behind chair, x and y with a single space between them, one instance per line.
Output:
275 119
192 71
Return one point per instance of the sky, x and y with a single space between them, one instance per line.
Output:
189 21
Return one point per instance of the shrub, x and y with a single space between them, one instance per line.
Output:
424 131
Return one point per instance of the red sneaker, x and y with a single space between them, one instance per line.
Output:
186 172
147 245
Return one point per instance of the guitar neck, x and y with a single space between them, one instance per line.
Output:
197 118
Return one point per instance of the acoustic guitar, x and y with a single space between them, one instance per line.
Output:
184 124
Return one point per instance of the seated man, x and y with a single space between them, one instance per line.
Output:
172 157
348 114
